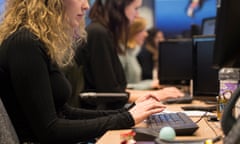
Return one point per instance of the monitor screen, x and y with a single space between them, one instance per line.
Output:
227 51
176 17
205 77
208 26
175 62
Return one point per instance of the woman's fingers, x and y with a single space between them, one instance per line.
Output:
146 108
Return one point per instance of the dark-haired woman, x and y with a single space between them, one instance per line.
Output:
107 37
148 56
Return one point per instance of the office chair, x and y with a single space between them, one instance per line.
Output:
7 132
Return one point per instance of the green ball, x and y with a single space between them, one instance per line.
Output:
167 133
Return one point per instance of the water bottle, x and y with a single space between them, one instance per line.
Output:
229 81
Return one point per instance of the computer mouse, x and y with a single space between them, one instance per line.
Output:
145 134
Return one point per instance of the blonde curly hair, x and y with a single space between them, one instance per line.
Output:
47 20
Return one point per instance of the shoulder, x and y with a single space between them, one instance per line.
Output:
144 51
97 29
22 36
23 40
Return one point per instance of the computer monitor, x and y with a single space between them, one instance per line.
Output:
175 62
227 51
208 26
205 77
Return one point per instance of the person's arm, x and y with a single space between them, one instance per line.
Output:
29 69
161 94
142 85
76 113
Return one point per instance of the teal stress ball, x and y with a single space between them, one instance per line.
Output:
167 133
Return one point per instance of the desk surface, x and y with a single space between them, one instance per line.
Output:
206 129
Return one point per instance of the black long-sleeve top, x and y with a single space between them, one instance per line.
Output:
34 92
145 59
103 70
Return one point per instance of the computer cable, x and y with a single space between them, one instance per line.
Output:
210 127
218 137
204 115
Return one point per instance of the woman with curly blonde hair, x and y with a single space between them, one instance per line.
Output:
37 38
47 22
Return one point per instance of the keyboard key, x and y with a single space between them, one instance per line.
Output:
182 124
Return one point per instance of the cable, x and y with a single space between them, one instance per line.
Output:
218 137
205 114
211 127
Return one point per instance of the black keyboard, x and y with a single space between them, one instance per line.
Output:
181 123
185 99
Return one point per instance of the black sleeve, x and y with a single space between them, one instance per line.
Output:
76 113
31 82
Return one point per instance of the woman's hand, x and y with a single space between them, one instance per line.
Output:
145 108
145 97
168 92
160 95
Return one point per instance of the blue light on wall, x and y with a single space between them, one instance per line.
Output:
87 18
1 6
172 18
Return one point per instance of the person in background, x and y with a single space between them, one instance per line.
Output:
37 38
107 34
193 6
148 55
133 71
